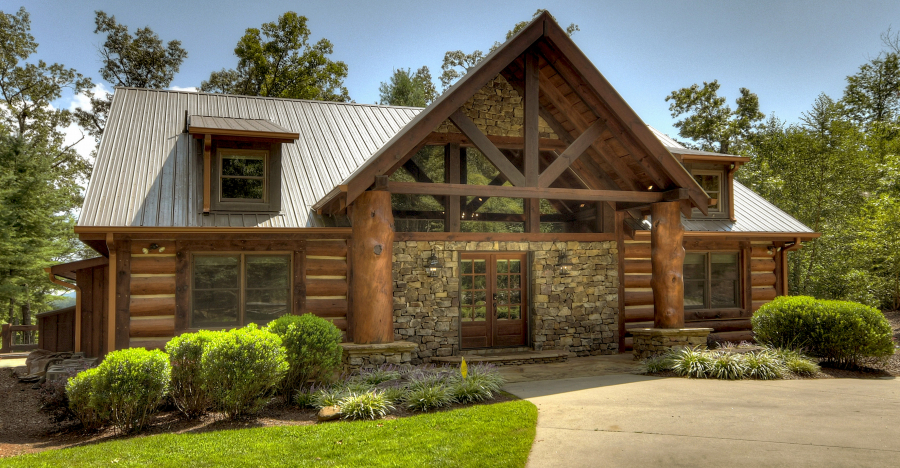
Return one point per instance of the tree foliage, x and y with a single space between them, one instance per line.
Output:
278 60
711 122
408 89
457 63
141 60
39 173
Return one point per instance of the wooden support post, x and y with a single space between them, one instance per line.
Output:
111 297
207 172
531 134
371 283
120 309
619 226
667 265
452 176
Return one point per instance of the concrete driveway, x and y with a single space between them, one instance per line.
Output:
631 420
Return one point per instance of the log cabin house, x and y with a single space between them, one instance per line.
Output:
527 208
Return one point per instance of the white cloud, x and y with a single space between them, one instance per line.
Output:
190 89
85 143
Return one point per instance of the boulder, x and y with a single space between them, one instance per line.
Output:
329 413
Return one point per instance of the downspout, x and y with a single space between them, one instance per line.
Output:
74 287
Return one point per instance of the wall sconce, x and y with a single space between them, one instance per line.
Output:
565 264
433 267
153 246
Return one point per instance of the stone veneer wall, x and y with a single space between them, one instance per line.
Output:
497 109
576 313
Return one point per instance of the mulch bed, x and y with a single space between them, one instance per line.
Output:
24 428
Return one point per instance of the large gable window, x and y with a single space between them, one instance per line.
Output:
236 289
711 280
711 183
242 175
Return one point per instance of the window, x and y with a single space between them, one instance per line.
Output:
242 176
711 280
245 177
236 289
711 182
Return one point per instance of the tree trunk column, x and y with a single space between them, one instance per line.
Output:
667 263
371 262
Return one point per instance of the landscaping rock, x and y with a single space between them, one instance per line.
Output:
329 413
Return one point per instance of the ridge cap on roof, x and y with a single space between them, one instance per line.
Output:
181 91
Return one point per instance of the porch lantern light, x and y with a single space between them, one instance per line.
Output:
434 266
565 264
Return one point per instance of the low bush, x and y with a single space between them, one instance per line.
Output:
427 397
129 386
691 362
654 364
368 405
838 332
727 366
764 365
80 392
472 390
185 353
313 348
796 363
241 367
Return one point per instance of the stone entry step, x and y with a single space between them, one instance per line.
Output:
514 358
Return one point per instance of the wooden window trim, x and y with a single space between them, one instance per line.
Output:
707 289
272 190
222 153
720 209
242 284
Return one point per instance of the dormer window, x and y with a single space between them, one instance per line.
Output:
242 175
241 163
711 183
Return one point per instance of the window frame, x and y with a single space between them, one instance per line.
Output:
271 202
221 154
242 274
718 208
707 281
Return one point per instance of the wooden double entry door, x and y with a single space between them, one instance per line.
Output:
493 304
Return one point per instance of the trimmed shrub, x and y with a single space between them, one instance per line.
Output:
426 397
185 353
241 367
727 366
80 391
313 348
691 362
838 332
368 405
764 365
129 386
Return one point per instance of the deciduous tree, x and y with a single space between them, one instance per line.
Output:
278 60
405 88
709 121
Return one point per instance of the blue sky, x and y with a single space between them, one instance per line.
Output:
785 51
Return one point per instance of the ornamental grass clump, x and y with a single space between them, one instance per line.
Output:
472 390
764 365
330 395
691 362
796 363
313 347
128 387
368 405
241 369
376 375
428 397
838 332
188 392
727 366
655 364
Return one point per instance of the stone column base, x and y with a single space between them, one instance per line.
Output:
370 355
655 341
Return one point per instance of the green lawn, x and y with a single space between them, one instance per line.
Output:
498 435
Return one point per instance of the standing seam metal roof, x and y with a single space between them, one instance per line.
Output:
148 172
